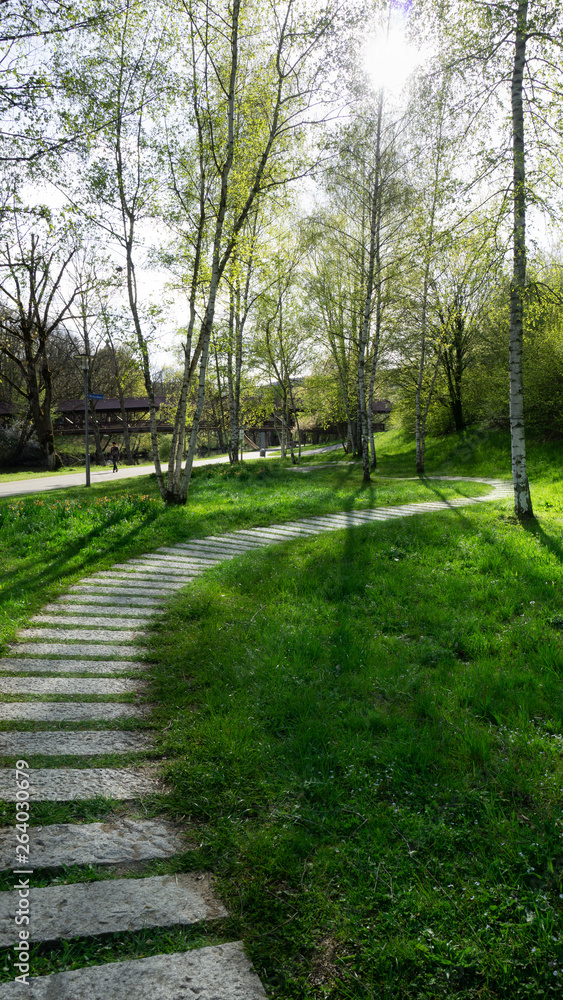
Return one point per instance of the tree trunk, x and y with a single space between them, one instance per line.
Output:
522 498
419 428
25 433
453 363
291 448
342 370
378 187
179 493
42 418
100 460
126 437
121 397
221 423
232 384
421 413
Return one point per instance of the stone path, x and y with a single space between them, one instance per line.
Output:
89 643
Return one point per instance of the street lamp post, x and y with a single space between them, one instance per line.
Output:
85 365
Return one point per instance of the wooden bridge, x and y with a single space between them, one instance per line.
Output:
109 416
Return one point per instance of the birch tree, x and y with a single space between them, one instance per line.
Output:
280 352
508 61
334 310
251 117
433 149
366 187
230 91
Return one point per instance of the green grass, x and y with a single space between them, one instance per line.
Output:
369 727
78 953
475 452
96 810
51 540
14 477
357 728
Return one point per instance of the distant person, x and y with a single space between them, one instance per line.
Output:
114 455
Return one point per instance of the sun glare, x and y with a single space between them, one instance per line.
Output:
390 59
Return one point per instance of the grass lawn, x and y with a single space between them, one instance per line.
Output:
367 730
50 540
363 730
15 477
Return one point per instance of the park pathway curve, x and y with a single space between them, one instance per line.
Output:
88 645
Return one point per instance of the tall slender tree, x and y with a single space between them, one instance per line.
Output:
233 104
506 56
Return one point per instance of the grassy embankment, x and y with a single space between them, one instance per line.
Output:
365 727
367 734
49 540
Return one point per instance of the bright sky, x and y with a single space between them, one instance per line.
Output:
389 58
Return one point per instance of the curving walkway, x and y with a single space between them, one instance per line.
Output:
89 643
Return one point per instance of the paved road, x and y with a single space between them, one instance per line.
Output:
61 482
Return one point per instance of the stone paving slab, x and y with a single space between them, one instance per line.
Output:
72 650
222 557
175 571
248 535
386 514
131 601
413 508
68 711
68 685
173 560
282 535
77 634
138 593
323 523
150 571
105 612
222 972
31 664
117 905
275 531
118 841
350 518
156 569
373 515
90 620
199 547
187 554
203 549
218 555
135 581
67 784
235 540
358 515
303 529
83 743
238 548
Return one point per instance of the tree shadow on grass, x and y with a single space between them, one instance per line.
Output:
39 578
533 527
435 493
438 494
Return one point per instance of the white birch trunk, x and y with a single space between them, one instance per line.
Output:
522 498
